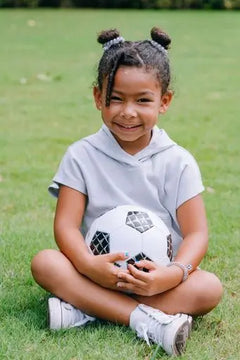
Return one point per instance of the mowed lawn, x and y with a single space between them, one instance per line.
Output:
47 66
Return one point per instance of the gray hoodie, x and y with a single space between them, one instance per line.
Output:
160 177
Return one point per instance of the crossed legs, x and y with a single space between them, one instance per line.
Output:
55 273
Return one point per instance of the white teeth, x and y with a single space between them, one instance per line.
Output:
128 127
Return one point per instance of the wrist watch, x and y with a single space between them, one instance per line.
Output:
185 268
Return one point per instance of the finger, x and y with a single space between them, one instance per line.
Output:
150 265
128 278
138 274
117 256
122 271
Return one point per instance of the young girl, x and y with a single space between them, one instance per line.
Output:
129 161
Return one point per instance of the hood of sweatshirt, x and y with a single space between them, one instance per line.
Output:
105 142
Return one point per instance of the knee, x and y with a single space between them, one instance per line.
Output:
210 292
214 289
217 289
41 264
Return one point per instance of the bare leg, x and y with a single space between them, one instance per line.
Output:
55 273
199 294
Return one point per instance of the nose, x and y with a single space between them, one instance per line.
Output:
128 111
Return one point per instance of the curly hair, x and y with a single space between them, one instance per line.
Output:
150 54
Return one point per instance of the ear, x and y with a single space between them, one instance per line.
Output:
97 94
165 101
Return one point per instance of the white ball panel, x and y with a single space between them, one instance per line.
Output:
126 239
111 220
155 246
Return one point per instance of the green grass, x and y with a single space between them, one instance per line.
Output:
39 119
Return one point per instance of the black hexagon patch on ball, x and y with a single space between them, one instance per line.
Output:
138 257
100 243
139 221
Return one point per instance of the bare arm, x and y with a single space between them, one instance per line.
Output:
193 224
69 214
68 218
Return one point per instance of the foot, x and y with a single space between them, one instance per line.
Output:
168 331
63 315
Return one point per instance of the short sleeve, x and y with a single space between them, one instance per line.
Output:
69 174
190 181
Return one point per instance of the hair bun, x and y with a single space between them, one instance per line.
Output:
160 37
107 35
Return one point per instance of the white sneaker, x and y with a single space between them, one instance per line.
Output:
168 331
63 315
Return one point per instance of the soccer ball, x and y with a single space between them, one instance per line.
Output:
132 229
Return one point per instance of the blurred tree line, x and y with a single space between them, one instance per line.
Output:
127 4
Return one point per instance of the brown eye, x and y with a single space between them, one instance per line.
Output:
116 98
143 100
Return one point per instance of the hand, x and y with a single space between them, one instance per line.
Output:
103 271
157 280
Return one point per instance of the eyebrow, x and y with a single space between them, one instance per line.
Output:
142 93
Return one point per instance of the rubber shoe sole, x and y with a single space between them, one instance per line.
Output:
181 339
175 345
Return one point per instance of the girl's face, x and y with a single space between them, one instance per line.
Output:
135 105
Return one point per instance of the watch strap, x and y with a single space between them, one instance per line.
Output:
185 268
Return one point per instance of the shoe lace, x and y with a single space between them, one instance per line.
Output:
78 318
152 329
85 318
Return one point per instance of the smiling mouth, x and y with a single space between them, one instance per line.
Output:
128 127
